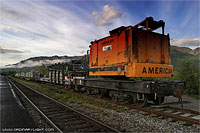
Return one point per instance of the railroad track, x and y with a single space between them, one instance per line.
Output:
61 117
188 116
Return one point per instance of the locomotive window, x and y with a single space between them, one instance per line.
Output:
107 48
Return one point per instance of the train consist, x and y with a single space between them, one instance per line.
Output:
119 65
32 75
60 73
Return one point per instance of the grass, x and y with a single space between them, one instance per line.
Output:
67 96
196 96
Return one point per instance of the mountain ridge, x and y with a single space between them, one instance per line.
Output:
187 50
38 61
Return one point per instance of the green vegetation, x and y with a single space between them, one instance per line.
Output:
23 69
188 71
177 55
42 69
67 96
8 73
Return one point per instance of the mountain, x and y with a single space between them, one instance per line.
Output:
186 50
33 62
196 51
178 53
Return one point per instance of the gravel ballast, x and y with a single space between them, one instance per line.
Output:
130 120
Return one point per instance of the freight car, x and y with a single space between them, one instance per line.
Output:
32 75
131 52
64 73
59 73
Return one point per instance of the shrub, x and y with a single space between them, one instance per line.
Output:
189 72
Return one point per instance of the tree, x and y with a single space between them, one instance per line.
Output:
42 69
8 73
189 72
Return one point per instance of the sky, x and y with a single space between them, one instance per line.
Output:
30 28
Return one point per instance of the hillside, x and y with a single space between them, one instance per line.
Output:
178 53
186 50
196 51
33 62
38 61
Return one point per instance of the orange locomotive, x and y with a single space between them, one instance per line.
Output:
133 51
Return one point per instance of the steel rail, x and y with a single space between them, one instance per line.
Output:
164 114
79 113
167 115
185 110
37 109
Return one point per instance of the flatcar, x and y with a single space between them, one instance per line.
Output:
32 75
132 52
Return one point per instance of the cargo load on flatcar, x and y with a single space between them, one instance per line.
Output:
132 51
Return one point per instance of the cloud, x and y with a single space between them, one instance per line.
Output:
46 29
8 28
49 26
105 16
188 42
31 63
8 50
5 51
82 52
10 13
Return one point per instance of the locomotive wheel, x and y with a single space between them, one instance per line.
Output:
89 91
140 103
103 94
138 100
100 95
114 95
156 101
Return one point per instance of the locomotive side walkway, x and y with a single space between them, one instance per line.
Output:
14 117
